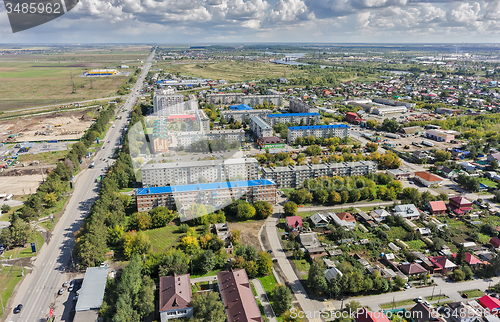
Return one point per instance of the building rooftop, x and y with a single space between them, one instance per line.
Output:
206 186
293 114
427 176
91 294
270 139
175 292
313 127
241 107
204 163
260 122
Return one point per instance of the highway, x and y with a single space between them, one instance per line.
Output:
38 290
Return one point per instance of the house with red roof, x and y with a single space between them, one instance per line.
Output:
460 205
437 207
490 303
412 269
471 260
364 315
427 179
175 296
293 222
495 242
353 118
441 264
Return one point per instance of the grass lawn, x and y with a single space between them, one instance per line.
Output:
211 273
436 297
488 182
7 283
484 239
397 304
44 157
268 282
396 233
302 265
416 244
126 189
473 293
22 252
162 238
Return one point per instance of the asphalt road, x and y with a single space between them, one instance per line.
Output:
39 289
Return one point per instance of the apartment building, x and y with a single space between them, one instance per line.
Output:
203 120
168 101
244 115
217 195
294 176
240 98
185 139
260 128
162 174
298 106
306 118
319 131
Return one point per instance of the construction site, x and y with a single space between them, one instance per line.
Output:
55 126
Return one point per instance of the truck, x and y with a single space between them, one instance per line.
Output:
427 143
9 197
392 135
92 164
98 179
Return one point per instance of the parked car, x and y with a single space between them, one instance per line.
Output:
418 299
66 284
61 291
18 309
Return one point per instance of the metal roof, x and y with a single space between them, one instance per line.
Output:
293 114
92 292
206 186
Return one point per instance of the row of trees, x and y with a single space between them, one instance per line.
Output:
244 210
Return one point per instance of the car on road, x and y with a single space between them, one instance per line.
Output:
18 309
61 291
70 289
66 284
419 299
427 304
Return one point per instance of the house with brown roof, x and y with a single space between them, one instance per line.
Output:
175 296
427 179
442 264
495 242
437 207
421 313
460 205
412 269
237 296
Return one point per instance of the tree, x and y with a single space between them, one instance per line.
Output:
249 253
335 197
316 278
494 164
135 243
282 299
208 307
411 194
50 199
468 273
390 125
371 123
399 282
460 259
20 230
245 211
291 315
5 208
458 275
353 306
206 261
344 196
442 155
161 216
175 262
140 221
263 209
290 208
371 147
313 150
189 244
264 263
146 297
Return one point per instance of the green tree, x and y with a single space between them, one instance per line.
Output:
290 208
245 211
208 307
263 209
458 275
264 263
135 243
206 261
468 273
20 230
344 196
390 125
442 155
50 199
399 282
372 124
316 278
139 221
161 216
282 299
5 208
146 297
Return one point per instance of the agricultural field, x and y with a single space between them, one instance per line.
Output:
46 78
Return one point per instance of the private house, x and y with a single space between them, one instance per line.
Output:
447 172
398 174
461 312
332 272
471 260
379 214
312 245
442 264
460 205
424 231
427 179
495 242
345 220
412 269
421 313
237 296
490 303
319 220
175 296
494 156
363 315
408 211
437 207
223 232
294 222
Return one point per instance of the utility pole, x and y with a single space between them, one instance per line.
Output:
73 82
432 297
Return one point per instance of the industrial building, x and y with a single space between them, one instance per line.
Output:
217 195
294 176
91 294
319 131
306 118
298 106
440 135
260 128
383 110
162 174
244 115
393 102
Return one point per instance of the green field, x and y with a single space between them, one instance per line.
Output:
268 282
488 182
44 157
9 277
22 252
416 244
302 265
436 297
397 304
162 238
473 293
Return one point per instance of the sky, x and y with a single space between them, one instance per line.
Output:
261 21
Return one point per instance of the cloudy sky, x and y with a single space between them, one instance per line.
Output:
243 21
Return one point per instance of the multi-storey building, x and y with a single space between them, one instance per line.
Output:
306 118
168 101
175 296
298 106
185 139
242 116
260 128
160 136
319 131
294 176
203 120
240 98
162 174
217 195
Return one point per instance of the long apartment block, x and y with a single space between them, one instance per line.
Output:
307 118
245 115
185 139
298 106
260 128
319 131
162 174
294 176
217 195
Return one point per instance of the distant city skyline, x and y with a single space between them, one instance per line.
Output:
261 21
